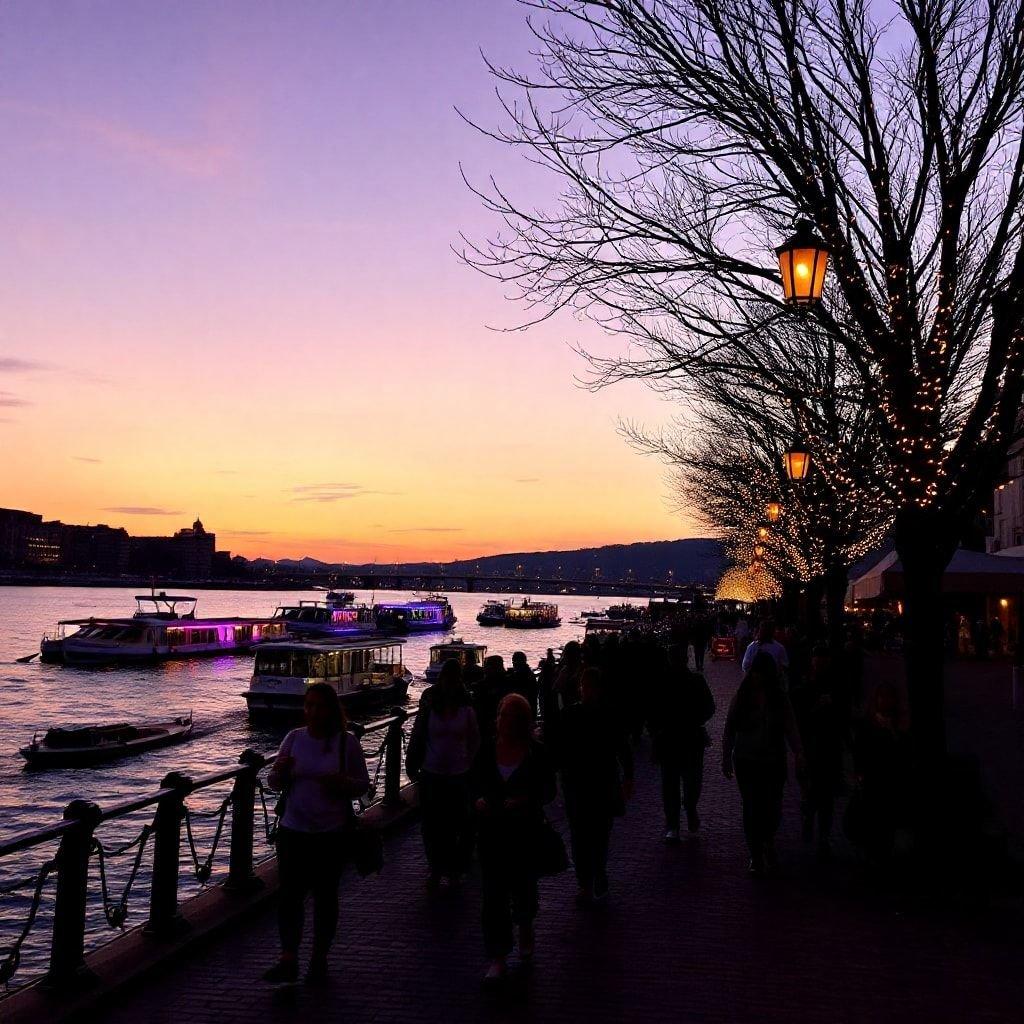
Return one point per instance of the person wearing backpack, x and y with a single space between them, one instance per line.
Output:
319 770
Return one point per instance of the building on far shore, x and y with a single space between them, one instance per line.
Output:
187 554
27 542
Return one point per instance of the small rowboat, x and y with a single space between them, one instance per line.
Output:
94 744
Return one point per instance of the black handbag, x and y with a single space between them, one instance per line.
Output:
549 856
365 849
363 843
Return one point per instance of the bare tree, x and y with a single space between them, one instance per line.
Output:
686 135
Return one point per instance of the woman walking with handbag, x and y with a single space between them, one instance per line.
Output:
320 769
443 745
515 782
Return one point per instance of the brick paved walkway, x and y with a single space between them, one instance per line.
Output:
686 936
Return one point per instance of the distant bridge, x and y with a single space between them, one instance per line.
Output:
513 584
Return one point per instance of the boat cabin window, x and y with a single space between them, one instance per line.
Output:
273 663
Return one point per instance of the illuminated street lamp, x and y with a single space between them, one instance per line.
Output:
803 260
773 510
758 551
762 533
797 462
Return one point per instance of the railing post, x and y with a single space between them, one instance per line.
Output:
393 761
164 919
67 945
243 804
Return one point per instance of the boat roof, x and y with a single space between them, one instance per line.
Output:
412 604
227 620
164 597
328 644
458 644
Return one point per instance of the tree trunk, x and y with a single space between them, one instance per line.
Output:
836 582
811 608
925 544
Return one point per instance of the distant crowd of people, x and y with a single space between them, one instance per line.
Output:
490 749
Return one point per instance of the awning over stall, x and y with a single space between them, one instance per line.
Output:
969 572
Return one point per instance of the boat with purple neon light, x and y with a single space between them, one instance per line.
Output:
311 619
164 627
432 615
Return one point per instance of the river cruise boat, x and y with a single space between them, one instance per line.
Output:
338 598
82 746
469 656
493 613
363 672
163 627
322 619
532 615
625 611
607 626
428 616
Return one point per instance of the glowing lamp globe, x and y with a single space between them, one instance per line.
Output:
797 463
773 510
762 533
758 551
803 260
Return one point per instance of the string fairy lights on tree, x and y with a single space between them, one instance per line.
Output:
686 136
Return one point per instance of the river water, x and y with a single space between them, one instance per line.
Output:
38 696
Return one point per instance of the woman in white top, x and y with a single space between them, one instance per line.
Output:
443 745
320 769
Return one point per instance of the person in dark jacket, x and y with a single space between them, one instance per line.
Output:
700 636
596 763
488 695
514 782
521 680
443 745
821 705
681 706
882 765
758 728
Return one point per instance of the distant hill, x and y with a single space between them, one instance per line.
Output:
695 560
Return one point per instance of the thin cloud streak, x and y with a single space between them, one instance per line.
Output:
12 364
86 458
9 400
142 510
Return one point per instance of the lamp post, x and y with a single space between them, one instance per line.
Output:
797 462
803 260
772 511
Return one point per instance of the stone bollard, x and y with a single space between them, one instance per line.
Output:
164 919
241 877
67 945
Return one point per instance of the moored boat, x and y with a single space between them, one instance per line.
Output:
428 616
624 611
493 613
81 746
362 672
163 627
605 626
469 656
323 619
532 615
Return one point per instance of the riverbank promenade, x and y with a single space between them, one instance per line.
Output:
685 935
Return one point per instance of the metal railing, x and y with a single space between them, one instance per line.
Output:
78 845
